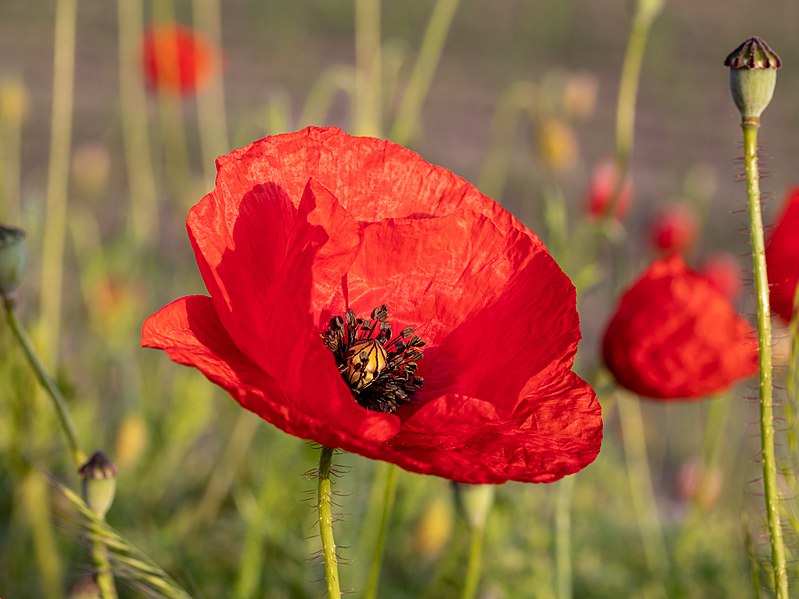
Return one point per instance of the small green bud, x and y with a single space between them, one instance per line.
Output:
474 502
99 483
753 77
12 259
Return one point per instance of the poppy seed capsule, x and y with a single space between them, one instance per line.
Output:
365 361
99 476
753 76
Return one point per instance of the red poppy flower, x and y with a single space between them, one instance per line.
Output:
317 248
782 257
603 184
176 59
674 230
675 336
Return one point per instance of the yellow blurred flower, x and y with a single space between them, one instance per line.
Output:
557 144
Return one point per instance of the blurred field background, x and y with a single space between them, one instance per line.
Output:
219 498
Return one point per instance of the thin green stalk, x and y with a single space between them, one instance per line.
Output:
368 62
211 101
38 509
59 403
520 97
563 548
423 71
58 176
640 479
389 492
135 129
474 567
326 524
750 127
11 158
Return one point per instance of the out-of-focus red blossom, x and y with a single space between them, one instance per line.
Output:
674 229
675 336
176 59
603 183
782 257
300 227
723 272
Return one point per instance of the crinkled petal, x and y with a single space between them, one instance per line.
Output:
493 306
556 430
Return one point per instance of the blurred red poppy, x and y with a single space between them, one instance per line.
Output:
176 59
604 180
782 257
674 229
675 336
316 247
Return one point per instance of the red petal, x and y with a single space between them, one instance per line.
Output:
493 306
556 430
191 333
675 336
782 257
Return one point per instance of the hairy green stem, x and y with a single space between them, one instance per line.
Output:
389 492
750 127
59 403
326 524
474 567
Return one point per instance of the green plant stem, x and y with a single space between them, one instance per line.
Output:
563 525
640 478
326 524
11 158
474 567
211 101
58 176
59 403
389 492
750 128
135 130
423 71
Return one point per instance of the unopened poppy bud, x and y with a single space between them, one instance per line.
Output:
753 76
557 144
13 99
433 529
99 483
474 503
12 259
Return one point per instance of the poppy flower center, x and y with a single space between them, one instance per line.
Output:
379 368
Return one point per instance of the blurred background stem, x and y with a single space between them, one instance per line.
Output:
143 194
368 63
389 492
563 545
57 178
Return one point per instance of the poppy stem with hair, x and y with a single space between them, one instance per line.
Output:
64 418
750 127
326 523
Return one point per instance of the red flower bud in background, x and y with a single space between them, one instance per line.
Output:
176 59
723 271
674 229
782 257
370 301
675 336
603 184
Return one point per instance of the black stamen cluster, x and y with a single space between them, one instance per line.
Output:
395 384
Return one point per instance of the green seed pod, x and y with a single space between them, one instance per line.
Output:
12 259
753 76
99 476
